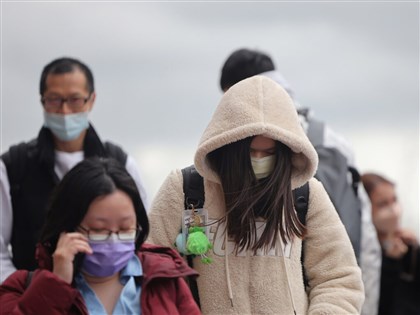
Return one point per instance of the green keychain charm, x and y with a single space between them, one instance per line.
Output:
198 243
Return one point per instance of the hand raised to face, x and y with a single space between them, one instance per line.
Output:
68 246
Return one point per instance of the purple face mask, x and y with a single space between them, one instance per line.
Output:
108 257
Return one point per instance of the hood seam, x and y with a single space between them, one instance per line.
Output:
261 100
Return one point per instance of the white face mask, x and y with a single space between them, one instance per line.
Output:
263 166
387 219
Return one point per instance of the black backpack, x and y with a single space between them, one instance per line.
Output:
194 195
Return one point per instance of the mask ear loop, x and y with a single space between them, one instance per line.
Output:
138 232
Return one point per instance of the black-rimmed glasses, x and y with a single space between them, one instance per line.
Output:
74 102
103 235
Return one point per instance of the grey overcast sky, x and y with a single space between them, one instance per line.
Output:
156 66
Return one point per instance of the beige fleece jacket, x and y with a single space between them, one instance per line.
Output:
269 282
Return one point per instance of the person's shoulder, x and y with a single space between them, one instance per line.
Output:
113 145
317 192
23 144
19 150
314 183
336 140
158 252
163 260
15 281
174 179
330 137
115 151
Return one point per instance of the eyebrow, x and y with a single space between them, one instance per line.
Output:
126 218
59 95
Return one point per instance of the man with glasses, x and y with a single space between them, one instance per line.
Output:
30 171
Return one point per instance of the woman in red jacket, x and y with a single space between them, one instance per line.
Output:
91 254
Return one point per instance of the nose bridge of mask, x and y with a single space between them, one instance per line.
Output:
53 120
113 237
75 120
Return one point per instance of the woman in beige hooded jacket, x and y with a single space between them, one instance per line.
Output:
252 155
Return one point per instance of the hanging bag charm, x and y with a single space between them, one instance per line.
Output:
194 240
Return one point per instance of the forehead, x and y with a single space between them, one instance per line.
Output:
112 207
69 82
261 143
383 192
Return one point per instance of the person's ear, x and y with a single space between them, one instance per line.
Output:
92 100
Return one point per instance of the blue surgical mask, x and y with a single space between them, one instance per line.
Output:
66 127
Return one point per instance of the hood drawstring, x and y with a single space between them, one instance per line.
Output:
227 267
287 276
228 272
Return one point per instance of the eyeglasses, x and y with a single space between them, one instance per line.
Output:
103 235
74 102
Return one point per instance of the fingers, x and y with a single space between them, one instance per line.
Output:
395 248
68 246
73 243
408 237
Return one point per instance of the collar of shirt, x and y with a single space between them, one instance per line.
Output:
133 269
129 300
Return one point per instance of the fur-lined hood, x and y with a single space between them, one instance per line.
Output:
257 106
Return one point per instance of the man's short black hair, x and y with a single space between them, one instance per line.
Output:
244 63
66 65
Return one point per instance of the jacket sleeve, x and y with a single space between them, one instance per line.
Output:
46 294
166 212
370 257
335 282
136 173
6 215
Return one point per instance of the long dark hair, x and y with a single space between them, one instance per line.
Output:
247 198
91 178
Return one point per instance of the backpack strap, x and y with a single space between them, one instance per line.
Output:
116 152
301 202
355 179
192 281
194 197
193 188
